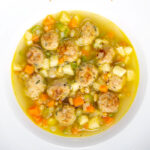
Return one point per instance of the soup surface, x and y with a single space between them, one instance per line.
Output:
75 73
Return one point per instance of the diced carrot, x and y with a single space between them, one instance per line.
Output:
49 20
103 88
90 108
73 22
29 69
75 130
86 126
34 111
37 119
35 38
61 60
123 43
111 35
45 122
62 128
85 52
108 120
43 96
78 101
51 103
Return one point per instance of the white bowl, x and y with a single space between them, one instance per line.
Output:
75 142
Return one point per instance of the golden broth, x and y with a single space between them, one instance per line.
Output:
105 26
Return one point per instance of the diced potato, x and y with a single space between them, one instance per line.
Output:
78 61
60 72
96 86
83 120
68 70
52 72
44 73
17 67
94 123
53 61
121 51
128 50
130 75
75 86
53 128
105 68
46 64
99 43
127 59
119 71
65 18
28 36
29 43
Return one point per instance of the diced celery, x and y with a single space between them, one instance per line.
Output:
68 70
74 65
65 17
83 119
83 58
88 97
79 111
52 121
75 86
53 60
121 51
119 71
94 123
37 29
47 54
67 131
130 75
128 50
44 73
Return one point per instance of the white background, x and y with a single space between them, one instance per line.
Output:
14 14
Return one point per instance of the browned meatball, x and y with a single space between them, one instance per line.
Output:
59 90
35 56
105 55
69 50
88 33
86 75
35 86
50 40
115 83
66 116
108 102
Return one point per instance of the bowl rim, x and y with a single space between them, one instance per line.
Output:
82 141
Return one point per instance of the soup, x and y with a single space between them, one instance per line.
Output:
75 74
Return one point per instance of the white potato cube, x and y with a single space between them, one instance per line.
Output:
106 68
128 50
75 86
83 119
53 61
44 73
121 51
99 43
130 75
46 64
17 67
65 18
119 71
28 36
68 70
94 123
96 86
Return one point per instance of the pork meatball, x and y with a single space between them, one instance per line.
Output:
35 86
108 102
69 51
35 56
59 90
86 75
115 83
50 40
66 116
105 55
88 33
